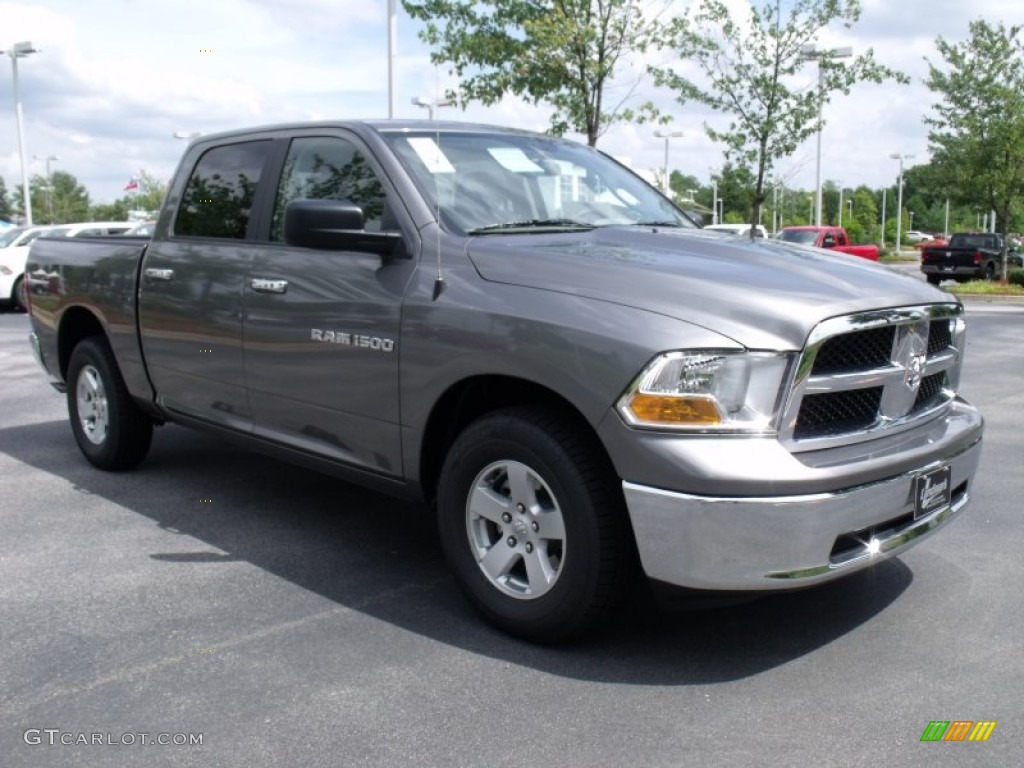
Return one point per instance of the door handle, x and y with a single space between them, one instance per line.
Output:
160 274
263 285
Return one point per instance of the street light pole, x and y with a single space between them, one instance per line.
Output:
666 135
392 55
16 51
840 206
49 182
899 199
811 52
881 243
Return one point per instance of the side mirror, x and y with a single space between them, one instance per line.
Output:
336 225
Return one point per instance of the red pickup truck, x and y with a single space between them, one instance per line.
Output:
834 238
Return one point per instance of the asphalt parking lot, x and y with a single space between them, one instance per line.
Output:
288 619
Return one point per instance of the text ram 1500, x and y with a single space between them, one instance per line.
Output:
522 332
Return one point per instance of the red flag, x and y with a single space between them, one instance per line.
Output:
132 185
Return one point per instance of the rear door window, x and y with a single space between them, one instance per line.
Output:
218 198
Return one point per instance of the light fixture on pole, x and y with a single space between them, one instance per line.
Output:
15 52
187 136
899 199
809 52
49 182
431 104
666 135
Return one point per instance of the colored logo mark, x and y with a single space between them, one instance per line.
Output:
958 730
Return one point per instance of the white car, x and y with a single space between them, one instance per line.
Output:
737 229
14 245
18 236
913 236
91 228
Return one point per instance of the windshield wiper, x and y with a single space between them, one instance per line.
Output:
531 224
655 224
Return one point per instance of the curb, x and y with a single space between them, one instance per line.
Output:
982 298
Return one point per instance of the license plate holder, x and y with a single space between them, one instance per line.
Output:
932 491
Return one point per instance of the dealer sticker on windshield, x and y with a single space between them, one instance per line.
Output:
931 491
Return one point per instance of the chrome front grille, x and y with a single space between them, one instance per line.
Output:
875 373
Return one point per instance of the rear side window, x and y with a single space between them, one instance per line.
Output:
219 195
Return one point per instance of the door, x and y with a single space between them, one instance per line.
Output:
321 335
190 305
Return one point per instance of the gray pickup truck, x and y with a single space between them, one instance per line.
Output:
519 331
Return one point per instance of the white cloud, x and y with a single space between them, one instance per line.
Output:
116 78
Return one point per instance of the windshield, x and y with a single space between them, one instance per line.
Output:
484 183
802 236
10 235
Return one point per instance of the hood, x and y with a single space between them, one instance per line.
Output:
763 294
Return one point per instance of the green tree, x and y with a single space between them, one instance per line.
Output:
736 191
563 53
865 214
748 65
61 199
150 194
115 211
683 186
6 212
976 131
149 198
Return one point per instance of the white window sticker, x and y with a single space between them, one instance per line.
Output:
513 159
430 154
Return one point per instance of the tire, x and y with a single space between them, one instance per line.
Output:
990 272
934 279
109 428
18 294
533 524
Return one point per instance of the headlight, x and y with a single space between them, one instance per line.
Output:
708 390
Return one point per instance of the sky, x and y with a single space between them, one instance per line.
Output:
114 80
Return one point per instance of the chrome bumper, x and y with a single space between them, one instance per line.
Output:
784 542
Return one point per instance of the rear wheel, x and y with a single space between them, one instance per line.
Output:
934 279
533 524
109 428
990 271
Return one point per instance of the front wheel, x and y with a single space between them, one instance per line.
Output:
533 524
109 428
